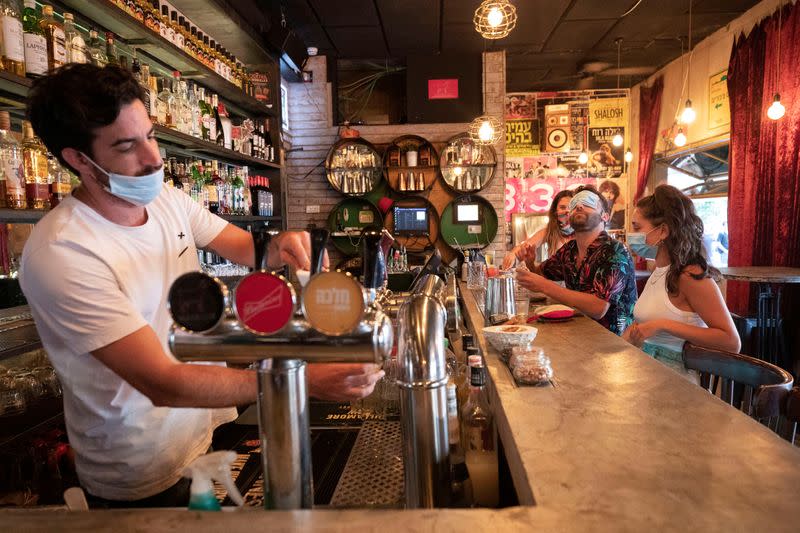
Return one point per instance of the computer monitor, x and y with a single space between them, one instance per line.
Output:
411 221
467 213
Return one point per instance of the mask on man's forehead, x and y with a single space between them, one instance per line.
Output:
586 199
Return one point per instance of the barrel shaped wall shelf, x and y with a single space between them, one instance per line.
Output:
353 167
414 222
467 166
410 164
469 221
346 221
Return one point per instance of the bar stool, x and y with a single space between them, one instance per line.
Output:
754 386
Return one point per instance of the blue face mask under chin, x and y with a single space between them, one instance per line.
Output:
637 242
138 190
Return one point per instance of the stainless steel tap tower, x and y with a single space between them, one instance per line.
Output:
261 323
423 394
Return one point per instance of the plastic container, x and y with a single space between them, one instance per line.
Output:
531 367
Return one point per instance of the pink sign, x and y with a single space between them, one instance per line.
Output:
443 89
535 195
264 303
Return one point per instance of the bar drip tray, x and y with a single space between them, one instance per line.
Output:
373 475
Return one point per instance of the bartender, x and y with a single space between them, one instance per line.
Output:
96 271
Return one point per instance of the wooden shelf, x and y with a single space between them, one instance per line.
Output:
21 216
134 33
193 144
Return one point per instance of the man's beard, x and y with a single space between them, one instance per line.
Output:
588 221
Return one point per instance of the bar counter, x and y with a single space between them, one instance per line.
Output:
621 443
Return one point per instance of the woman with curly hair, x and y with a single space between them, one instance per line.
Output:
553 236
681 301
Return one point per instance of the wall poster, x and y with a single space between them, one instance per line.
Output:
719 108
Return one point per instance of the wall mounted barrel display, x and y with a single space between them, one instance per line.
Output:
347 219
414 223
469 221
467 166
410 164
353 167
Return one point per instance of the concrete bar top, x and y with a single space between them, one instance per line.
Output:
621 443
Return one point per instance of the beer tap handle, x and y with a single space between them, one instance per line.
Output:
319 239
261 240
373 260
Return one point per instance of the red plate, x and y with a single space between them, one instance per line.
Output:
264 302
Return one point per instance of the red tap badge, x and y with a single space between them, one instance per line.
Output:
264 302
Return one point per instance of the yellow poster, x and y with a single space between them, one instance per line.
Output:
719 109
608 113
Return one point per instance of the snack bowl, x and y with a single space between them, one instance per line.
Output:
503 338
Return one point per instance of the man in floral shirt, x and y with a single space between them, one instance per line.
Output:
597 271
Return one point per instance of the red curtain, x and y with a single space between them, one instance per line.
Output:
649 113
764 179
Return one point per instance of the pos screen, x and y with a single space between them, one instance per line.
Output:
467 213
411 220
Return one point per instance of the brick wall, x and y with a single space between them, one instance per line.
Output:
312 133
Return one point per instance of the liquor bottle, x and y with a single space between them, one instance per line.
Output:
97 53
204 113
269 148
181 104
13 42
479 441
111 49
56 40
34 40
34 160
211 117
152 94
76 46
460 484
201 51
226 126
212 187
219 133
163 26
464 374
168 181
60 181
12 190
165 105
194 109
151 15
451 363
177 36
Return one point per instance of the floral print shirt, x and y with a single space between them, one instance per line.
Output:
606 272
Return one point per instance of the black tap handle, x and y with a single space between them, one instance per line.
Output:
319 239
261 240
372 259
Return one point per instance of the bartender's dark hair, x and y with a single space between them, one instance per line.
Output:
66 107
667 205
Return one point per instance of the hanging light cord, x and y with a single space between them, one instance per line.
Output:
689 68
778 69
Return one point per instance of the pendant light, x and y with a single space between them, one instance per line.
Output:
776 110
617 140
485 129
628 155
494 19
680 138
688 115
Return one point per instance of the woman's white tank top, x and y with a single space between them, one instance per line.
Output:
654 304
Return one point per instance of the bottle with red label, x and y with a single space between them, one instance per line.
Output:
34 160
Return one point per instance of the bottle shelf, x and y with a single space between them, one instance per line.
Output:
134 33
32 216
193 144
18 86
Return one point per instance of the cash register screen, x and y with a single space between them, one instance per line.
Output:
468 213
411 220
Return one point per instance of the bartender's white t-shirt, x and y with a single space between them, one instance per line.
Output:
90 282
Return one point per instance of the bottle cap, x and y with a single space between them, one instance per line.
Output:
475 360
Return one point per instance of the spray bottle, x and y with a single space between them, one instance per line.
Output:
214 466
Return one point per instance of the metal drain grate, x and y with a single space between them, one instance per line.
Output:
373 476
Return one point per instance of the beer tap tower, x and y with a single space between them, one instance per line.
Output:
261 321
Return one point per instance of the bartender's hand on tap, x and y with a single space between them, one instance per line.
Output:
342 382
293 248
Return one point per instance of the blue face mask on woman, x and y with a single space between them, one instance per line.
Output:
637 242
138 190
